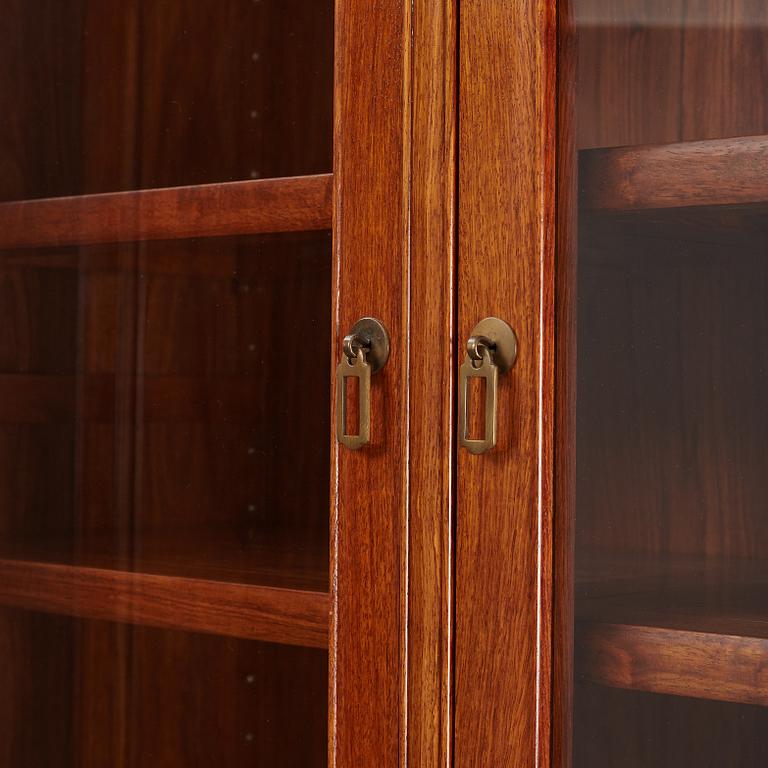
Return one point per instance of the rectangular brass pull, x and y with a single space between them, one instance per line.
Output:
490 372
491 349
366 351
360 369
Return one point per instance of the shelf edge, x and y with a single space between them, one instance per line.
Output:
718 172
252 612
291 204
702 665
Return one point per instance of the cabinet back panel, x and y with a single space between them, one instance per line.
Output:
92 694
638 730
102 96
673 371
661 71
158 401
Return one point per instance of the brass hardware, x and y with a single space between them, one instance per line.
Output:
491 349
366 351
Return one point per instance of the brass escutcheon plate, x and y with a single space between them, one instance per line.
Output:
503 337
372 331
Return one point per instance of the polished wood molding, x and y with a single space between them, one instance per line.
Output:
269 614
299 203
693 173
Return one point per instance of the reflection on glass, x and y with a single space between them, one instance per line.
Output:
115 95
672 478
93 693
165 407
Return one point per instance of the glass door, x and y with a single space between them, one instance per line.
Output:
165 337
671 486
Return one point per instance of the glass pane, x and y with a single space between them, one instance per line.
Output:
118 95
671 636
92 694
165 407
164 445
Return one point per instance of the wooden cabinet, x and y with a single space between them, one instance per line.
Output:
200 200
611 571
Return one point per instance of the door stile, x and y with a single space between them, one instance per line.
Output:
504 507
564 446
369 487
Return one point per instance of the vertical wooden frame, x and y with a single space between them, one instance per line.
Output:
394 217
369 516
506 267
433 207
564 445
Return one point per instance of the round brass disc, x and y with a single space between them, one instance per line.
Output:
371 330
503 337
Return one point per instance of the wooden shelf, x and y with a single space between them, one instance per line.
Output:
722 172
259 593
300 203
682 626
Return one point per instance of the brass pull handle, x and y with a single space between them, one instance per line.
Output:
366 351
491 349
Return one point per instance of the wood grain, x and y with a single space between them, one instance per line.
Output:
104 96
675 662
671 436
506 246
271 614
369 519
671 70
432 367
670 377
243 207
95 98
697 173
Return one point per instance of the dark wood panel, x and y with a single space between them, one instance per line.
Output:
270 205
702 173
224 702
104 96
672 371
93 693
663 71
629 72
670 377
636 730
51 399
258 104
271 614
671 466
36 714
506 248
40 94
724 69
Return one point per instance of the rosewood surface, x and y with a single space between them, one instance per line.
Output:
235 208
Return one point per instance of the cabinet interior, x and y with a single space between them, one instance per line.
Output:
164 405
672 487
